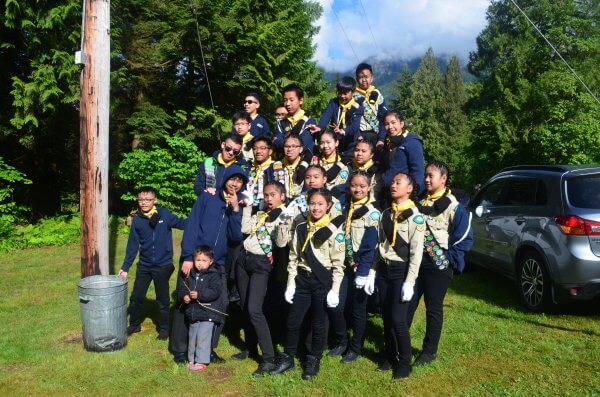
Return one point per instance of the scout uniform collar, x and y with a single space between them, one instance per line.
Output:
247 138
430 198
223 162
263 165
313 226
363 167
353 205
393 141
344 109
294 119
269 216
325 161
400 215
366 93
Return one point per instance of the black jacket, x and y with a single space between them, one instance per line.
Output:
208 285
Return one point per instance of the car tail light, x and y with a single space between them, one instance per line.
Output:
574 225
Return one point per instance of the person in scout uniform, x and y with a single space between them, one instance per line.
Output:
342 116
151 236
363 161
259 125
361 233
373 102
262 149
253 267
401 234
404 151
315 272
448 236
296 122
210 173
290 171
330 160
241 125
297 212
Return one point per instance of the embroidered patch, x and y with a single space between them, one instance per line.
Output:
277 165
340 238
344 174
338 206
419 220
421 228
456 208
341 247
375 216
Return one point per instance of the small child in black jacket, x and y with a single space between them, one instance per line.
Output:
197 291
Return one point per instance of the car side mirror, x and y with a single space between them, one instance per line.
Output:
480 210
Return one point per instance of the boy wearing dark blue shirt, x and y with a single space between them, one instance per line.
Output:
150 234
296 122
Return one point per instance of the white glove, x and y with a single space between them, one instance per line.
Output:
408 290
370 284
359 281
289 294
333 299
248 198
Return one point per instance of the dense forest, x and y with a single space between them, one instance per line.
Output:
525 106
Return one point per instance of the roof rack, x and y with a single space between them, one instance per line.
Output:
551 168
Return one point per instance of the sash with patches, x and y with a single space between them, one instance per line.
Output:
359 213
401 247
299 173
279 172
333 172
264 237
435 251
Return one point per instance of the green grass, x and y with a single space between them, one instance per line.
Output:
490 345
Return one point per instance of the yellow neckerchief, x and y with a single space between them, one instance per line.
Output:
223 162
344 108
290 168
325 161
432 197
259 167
354 204
261 217
247 138
398 209
296 117
152 211
364 167
366 93
388 140
313 226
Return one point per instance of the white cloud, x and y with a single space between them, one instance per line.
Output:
402 29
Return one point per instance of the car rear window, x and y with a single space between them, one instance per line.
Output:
584 191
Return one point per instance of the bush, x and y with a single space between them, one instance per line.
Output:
10 212
171 171
60 230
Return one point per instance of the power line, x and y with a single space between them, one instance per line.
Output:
556 52
369 25
343 31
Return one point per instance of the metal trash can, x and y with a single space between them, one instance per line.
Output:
103 307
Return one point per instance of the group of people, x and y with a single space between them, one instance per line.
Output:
310 221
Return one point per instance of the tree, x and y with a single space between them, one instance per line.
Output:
528 107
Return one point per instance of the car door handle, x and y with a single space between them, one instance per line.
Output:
520 220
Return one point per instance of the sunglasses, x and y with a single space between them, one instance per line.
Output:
249 101
232 150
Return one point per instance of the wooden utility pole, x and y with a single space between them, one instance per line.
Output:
93 140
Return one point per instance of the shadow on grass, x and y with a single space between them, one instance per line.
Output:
485 285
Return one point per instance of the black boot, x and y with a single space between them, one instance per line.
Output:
350 357
241 355
263 368
424 358
401 372
337 351
132 329
215 359
311 368
283 363
180 358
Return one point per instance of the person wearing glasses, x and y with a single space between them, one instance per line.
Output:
280 112
150 235
259 125
210 174
241 126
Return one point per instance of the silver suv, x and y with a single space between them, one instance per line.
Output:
540 225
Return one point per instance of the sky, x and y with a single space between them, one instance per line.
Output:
402 29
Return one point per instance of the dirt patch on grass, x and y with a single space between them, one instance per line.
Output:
72 338
16 367
218 375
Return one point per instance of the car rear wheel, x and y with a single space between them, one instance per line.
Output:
534 282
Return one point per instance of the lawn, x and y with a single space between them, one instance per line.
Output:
490 345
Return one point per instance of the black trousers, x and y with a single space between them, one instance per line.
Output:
432 284
337 315
358 313
252 276
160 275
178 342
310 294
389 282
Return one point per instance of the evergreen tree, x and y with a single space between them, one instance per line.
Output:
528 107
401 90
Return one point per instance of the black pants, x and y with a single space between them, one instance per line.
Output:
310 294
160 275
358 300
432 284
252 276
337 315
389 282
178 342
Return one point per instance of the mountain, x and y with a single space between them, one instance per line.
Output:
387 71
